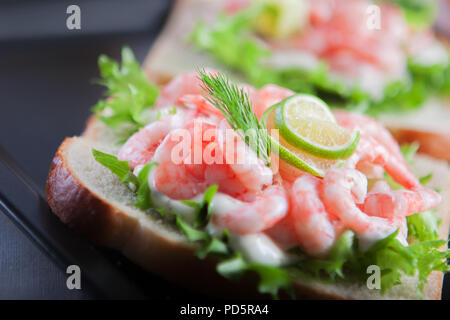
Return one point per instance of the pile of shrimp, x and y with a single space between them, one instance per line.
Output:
339 33
356 41
301 210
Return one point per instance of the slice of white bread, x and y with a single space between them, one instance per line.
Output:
172 54
91 200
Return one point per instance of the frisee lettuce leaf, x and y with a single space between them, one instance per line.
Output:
206 243
272 279
119 168
203 209
229 42
409 150
128 90
423 226
126 175
425 179
436 77
144 200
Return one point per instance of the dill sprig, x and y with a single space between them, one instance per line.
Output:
235 105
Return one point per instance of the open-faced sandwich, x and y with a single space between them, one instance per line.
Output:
217 185
378 57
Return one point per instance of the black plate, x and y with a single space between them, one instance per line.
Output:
46 94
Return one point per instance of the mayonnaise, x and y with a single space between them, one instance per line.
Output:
260 248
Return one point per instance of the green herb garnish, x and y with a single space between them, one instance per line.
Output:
235 105
144 200
203 209
272 279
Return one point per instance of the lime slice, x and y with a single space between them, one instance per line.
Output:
281 18
306 123
294 159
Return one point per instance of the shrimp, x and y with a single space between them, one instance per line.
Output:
268 208
342 189
140 147
197 174
348 44
368 126
181 179
369 150
186 83
312 224
186 90
249 169
402 203
377 147
200 104
395 205
283 233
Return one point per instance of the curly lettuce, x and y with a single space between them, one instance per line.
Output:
128 90
423 226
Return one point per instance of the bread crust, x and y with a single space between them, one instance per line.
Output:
75 204
432 143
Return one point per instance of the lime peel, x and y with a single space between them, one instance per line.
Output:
292 156
306 123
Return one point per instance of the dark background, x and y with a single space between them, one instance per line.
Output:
46 93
